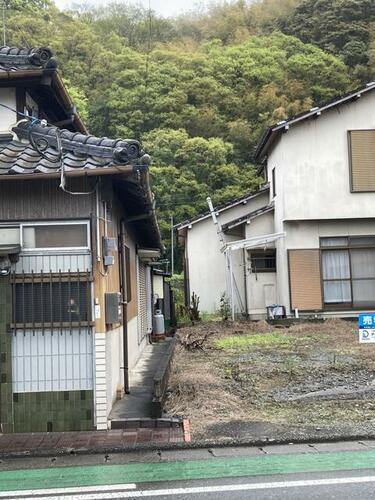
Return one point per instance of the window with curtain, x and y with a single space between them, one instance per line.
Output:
348 271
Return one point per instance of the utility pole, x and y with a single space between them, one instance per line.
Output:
227 256
172 247
215 221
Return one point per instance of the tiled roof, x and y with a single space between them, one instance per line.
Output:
80 152
14 59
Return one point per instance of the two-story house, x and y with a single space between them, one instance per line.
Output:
77 235
320 251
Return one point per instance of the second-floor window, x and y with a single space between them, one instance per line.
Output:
362 160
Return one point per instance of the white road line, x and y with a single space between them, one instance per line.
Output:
215 489
65 491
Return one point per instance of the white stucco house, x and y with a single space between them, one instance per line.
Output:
306 239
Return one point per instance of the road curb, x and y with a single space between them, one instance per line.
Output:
205 444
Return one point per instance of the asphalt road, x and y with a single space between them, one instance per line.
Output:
343 485
320 486
335 471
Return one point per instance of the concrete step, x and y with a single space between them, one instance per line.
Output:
148 423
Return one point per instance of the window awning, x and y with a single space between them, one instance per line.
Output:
9 249
148 254
254 242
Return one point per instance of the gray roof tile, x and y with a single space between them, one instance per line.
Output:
79 152
16 59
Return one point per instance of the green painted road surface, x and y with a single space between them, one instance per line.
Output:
61 477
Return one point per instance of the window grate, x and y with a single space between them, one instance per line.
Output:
51 299
263 262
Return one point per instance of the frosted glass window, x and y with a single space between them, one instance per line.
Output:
55 236
362 241
363 263
334 242
9 235
363 293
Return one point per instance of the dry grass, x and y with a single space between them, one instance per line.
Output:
252 371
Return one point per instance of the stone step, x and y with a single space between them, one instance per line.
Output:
148 423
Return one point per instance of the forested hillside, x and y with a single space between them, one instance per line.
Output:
199 90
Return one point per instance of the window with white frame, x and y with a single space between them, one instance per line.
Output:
348 271
47 236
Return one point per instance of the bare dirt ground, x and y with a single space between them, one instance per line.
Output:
255 380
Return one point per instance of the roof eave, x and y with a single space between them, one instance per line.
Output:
52 78
272 132
262 189
126 169
260 153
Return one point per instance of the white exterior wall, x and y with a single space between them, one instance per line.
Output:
158 285
7 117
135 349
100 382
312 166
114 360
207 262
261 293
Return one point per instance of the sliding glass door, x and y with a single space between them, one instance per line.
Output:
348 272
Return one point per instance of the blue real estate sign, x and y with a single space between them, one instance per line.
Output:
366 322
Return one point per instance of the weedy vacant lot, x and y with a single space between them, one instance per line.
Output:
257 380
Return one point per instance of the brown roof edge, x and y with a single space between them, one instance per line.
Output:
145 181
